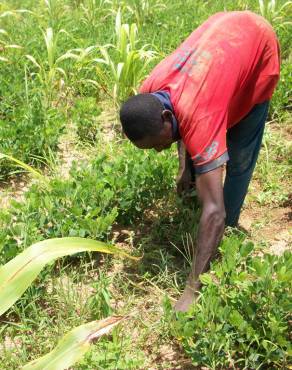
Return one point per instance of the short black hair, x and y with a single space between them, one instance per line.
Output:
141 116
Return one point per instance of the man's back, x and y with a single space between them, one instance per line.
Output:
215 77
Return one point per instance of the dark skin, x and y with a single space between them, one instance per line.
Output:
211 227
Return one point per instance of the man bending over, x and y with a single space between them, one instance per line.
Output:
212 93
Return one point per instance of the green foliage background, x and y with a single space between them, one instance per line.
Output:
115 186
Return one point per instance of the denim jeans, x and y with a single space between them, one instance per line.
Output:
243 145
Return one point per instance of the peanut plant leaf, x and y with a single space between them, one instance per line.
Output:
74 345
18 274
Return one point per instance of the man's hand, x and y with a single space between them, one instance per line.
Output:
188 297
211 228
184 181
184 177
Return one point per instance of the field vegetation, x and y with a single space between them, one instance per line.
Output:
66 66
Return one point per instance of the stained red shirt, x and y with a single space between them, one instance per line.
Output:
215 77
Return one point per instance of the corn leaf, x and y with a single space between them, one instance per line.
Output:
74 345
18 274
49 40
13 46
23 165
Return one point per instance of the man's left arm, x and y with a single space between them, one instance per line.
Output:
184 176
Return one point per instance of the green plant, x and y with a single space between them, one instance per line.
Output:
94 11
72 347
143 10
275 12
22 165
126 63
99 303
85 115
19 273
115 186
6 45
242 317
29 131
49 72
282 99
55 12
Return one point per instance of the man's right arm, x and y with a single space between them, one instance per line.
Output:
211 228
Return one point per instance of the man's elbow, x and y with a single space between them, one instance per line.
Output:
214 216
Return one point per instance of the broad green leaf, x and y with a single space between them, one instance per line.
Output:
74 345
118 21
18 274
13 46
246 249
23 165
9 13
206 279
236 319
67 55
61 70
49 40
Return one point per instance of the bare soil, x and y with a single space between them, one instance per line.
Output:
270 224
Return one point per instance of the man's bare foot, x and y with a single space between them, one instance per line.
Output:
186 299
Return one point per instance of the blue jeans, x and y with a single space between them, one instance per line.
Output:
243 145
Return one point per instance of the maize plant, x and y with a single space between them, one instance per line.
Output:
55 12
94 11
19 273
276 14
74 345
23 165
83 65
144 9
49 72
5 45
125 62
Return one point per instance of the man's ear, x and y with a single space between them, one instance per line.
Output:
166 115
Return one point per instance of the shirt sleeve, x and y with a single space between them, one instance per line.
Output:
206 142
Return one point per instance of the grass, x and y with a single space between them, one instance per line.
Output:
113 192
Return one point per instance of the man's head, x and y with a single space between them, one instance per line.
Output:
146 123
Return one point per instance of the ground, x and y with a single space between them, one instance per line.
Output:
266 222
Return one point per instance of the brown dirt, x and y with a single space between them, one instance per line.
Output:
14 189
269 224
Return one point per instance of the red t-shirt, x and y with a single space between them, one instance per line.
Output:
215 77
